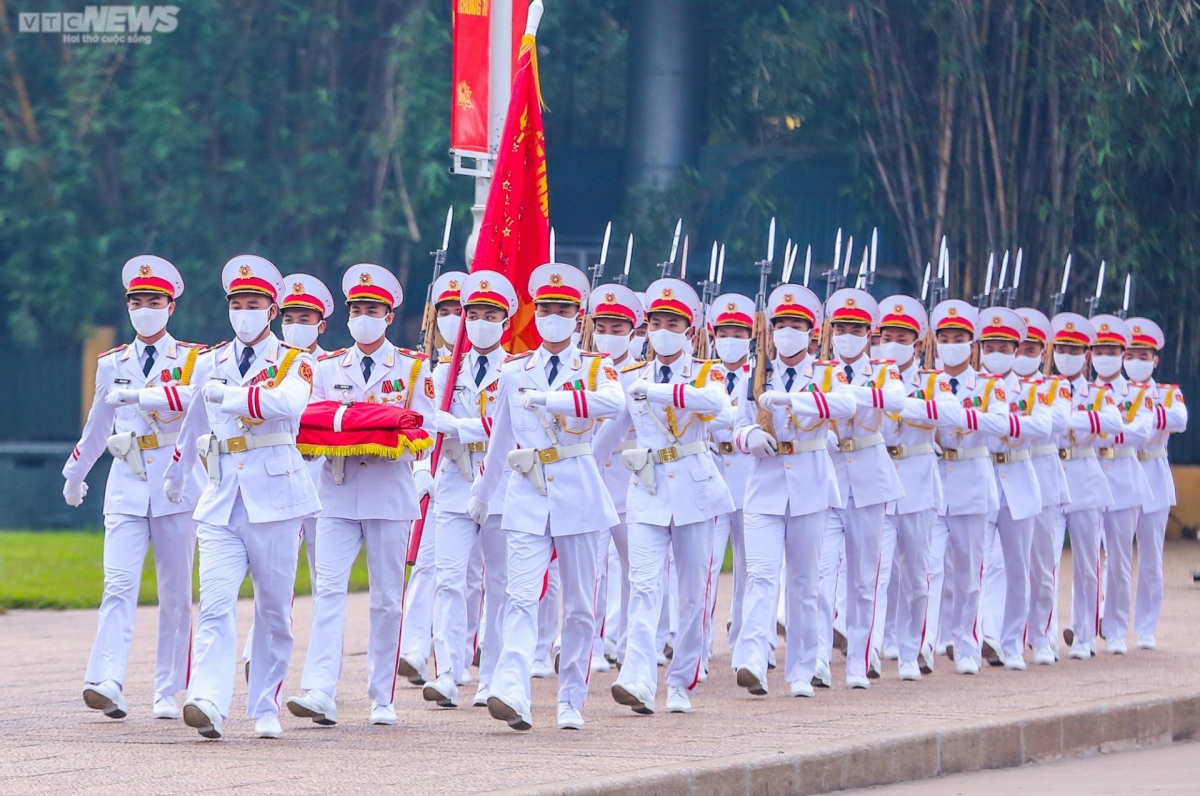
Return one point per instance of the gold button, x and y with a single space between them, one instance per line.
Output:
787 467
149 461
1004 475
362 464
241 467
728 464
949 469
849 459
670 475
289 472
549 478
608 464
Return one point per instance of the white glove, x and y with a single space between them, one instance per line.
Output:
532 398
213 391
445 423
424 483
121 397
638 389
173 491
477 510
772 398
74 492
760 443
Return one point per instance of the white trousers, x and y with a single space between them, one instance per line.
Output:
1015 538
905 601
268 550
416 635
771 540
729 529
310 550
1085 529
528 561
885 600
126 539
1043 578
862 529
339 541
833 552
549 613
1151 534
992 587
616 623
458 539
648 547
965 562
1119 529
936 633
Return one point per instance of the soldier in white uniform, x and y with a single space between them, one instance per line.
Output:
555 500
1141 358
791 487
616 312
416 634
142 390
1089 488
257 496
1055 393
675 491
866 477
731 317
305 310
489 300
367 500
1126 476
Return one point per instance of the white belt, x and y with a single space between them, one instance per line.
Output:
1010 457
908 451
1044 450
1119 452
557 453
1148 454
1070 454
676 452
859 443
251 442
788 447
962 454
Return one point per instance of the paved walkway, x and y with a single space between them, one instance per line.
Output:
50 743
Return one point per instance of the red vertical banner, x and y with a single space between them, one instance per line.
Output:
469 91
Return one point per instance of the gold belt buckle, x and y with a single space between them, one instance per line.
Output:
896 451
786 447
725 447
147 442
548 455
1001 458
476 447
846 445
670 454
950 454
237 444
1141 456
1064 454
1107 453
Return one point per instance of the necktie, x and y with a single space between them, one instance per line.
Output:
664 374
367 365
1072 390
790 374
954 386
150 352
553 374
730 381
482 371
247 358
849 374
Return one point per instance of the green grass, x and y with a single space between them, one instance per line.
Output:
64 569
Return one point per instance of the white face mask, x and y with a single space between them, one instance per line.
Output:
732 349
789 342
876 351
615 345
954 354
637 347
576 338
1139 369
301 335
484 333
666 342
849 346
998 362
248 324
899 353
1027 366
555 328
1069 365
1107 367
448 326
366 329
148 321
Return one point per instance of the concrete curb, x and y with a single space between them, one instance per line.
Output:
1149 719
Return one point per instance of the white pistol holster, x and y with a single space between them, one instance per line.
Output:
125 446
526 462
639 462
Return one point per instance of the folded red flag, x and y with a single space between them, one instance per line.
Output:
333 428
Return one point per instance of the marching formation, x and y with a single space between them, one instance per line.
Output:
896 478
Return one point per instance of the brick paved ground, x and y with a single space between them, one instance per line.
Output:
50 743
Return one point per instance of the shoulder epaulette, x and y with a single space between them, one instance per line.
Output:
927 371
191 345
991 376
883 362
331 354
289 345
515 357
633 366
408 352
1030 380
443 360
121 347
829 363
590 354
214 347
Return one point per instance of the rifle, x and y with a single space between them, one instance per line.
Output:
1124 313
623 277
762 334
1048 354
1094 302
670 263
589 324
708 292
429 335
835 277
939 289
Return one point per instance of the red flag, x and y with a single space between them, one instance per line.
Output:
514 237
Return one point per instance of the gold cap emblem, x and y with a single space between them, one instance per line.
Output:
996 320
668 293
731 306
1070 326
610 297
298 288
556 280
851 302
1137 330
364 278
952 312
244 271
453 284
788 298
1104 327
484 285
144 270
898 308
